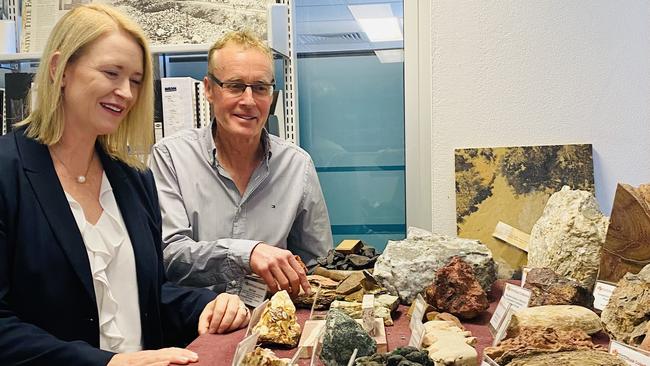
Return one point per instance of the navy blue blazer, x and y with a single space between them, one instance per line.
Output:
48 311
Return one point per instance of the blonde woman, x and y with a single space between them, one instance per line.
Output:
81 274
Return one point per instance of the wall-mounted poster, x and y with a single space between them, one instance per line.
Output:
512 185
166 22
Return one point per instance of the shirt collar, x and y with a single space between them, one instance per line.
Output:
210 149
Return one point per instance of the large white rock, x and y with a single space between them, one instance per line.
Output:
409 266
569 236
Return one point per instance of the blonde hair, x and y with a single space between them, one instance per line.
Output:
243 38
75 31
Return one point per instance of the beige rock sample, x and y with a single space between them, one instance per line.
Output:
569 236
325 297
547 288
263 357
278 323
570 358
384 305
449 345
533 341
627 314
559 317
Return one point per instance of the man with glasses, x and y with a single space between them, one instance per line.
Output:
235 199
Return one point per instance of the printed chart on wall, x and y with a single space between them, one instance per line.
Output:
511 185
166 22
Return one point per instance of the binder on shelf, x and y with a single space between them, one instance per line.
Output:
202 106
17 85
157 112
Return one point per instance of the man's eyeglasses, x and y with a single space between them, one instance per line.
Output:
236 89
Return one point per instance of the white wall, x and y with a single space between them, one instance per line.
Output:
510 73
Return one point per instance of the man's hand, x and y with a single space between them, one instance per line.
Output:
223 314
279 269
161 357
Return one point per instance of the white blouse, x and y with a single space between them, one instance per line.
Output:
112 264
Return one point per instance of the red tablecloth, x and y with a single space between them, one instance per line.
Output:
219 349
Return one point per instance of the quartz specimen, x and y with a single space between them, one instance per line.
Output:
627 245
627 314
449 345
325 297
278 323
570 358
457 291
263 357
559 317
399 356
342 335
408 267
532 341
568 236
548 288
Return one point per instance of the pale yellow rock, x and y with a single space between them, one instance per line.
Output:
449 345
263 357
560 317
384 304
278 323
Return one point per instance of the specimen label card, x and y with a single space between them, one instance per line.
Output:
602 292
632 355
515 296
253 291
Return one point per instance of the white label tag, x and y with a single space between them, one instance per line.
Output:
487 361
631 355
417 334
246 345
317 347
503 326
516 297
602 292
256 315
524 274
419 307
253 290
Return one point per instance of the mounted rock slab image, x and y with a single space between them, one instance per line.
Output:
409 266
342 335
569 236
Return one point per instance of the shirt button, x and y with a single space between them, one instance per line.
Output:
233 283
92 320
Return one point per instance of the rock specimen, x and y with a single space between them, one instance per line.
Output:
263 357
457 291
365 258
627 245
533 341
342 335
627 314
325 297
570 358
434 315
384 305
408 267
410 356
449 345
548 288
352 283
569 236
559 317
278 323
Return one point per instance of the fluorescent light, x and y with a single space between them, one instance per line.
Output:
377 21
389 56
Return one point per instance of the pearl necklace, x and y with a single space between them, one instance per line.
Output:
81 179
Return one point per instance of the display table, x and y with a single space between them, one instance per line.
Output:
219 349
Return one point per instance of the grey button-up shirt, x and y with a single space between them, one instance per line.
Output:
209 228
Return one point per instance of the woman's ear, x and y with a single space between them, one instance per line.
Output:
54 65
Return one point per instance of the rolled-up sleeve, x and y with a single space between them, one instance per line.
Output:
311 234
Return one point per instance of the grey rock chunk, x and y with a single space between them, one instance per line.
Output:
409 266
627 313
569 235
342 335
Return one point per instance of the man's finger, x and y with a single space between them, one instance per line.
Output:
280 278
218 313
302 276
229 314
205 317
240 319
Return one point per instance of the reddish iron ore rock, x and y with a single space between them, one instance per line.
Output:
457 291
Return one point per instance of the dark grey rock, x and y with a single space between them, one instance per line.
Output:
342 335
